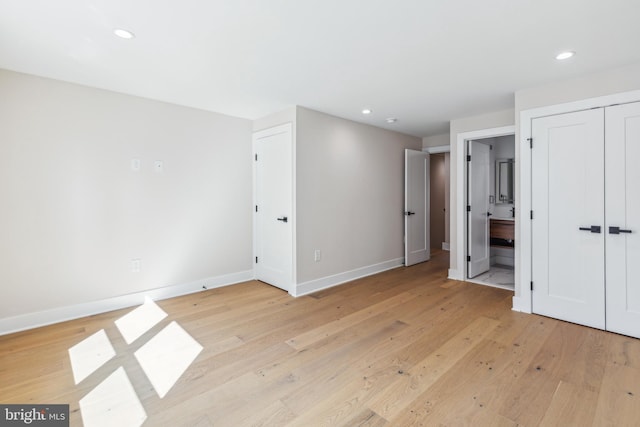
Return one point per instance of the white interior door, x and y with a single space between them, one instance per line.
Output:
478 251
623 219
273 225
416 207
568 200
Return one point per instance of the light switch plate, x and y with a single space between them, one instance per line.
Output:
135 265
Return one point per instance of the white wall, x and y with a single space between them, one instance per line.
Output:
350 194
74 213
588 86
435 140
484 121
281 117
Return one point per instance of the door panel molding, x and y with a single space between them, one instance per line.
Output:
274 264
478 174
523 294
568 201
622 124
417 247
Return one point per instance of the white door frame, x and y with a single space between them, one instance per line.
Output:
438 149
522 298
286 127
461 195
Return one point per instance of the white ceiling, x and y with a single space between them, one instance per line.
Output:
423 61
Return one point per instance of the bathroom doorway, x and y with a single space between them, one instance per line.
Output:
490 219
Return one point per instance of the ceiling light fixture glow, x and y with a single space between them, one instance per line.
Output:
392 120
123 34
367 111
565 55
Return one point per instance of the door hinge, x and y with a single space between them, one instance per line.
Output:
468 158
532 285
530 142
256 260
256 208
256 157
531 214
468 208
468 257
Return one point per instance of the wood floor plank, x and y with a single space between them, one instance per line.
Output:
557 360
571 405
404 347
330 328
394 399
619 397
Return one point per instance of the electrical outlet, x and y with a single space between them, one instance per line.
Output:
158 165
317 256
135 165
135 265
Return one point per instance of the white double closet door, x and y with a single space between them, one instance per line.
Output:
586 217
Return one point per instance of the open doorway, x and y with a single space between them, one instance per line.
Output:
440 200
439 195
491 216
486 220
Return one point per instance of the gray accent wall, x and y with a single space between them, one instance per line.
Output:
350 194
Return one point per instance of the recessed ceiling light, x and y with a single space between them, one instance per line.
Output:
392 120
124 34
367 111
564 55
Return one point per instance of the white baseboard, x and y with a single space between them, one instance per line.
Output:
42 318
455 275
311 286
521 305
445 246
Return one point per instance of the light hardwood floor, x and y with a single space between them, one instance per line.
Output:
405 347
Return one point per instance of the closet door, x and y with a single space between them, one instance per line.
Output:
623 218
568 207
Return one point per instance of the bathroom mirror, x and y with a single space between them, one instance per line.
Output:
504 181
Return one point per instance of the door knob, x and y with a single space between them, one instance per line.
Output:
593 229
489 214
283 219
617 230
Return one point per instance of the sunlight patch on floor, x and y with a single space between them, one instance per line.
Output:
90 354
112 403
167 356
134 324
164 358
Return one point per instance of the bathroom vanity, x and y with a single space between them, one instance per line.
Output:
501 232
